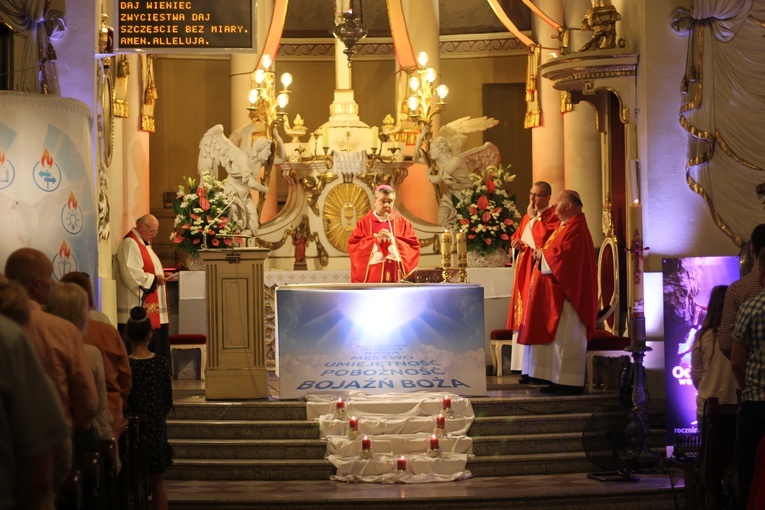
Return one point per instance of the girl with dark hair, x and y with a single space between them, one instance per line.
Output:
152 393
711 371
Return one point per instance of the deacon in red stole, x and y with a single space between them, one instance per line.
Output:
140 275
559 317
383 247
535 228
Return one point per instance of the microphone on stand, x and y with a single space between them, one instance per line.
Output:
225 208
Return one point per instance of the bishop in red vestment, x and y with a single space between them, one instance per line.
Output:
535 228
559 318
383 247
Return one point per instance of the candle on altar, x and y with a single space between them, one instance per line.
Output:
339 404
461 243
433 442
440 421
401 463
447 402
325 136
446 249
375 141
353 423
366 443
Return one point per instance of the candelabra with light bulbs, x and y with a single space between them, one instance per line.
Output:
266 105
422 84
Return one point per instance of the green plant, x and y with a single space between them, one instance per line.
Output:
486 212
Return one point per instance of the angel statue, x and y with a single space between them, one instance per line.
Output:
244 164
448 169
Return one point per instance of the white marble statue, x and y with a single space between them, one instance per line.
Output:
243 163
448 168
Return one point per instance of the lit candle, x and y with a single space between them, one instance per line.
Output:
401 463
375 141
446 249
433 442
366 443
325 136
353 423
447 402
339 404
440 421
461 243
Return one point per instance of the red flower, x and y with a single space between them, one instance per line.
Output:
486 217
497 210
490 187
200 191
487 240
473 211
483 202
204 204
504 237
227 242
215 241
196 241
508 222
185 226
178 240
464 221
471 236
194 216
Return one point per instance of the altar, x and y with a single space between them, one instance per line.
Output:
497 286
380 338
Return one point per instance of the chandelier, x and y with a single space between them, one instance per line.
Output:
350 30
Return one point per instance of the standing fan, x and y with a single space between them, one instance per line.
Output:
614 439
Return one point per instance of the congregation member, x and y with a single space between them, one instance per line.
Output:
57 343
152 394
107 339
141 282
746 287
748 362
70 302
383 247
559 318
710 370
535 228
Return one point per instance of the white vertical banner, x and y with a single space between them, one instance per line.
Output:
47 197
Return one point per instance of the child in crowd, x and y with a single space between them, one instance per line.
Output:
152 393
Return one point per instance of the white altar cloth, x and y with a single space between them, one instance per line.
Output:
397 425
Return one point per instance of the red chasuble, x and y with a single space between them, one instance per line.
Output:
541 231
373 262
571 256
151 303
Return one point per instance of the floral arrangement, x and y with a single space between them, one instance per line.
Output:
486 212
202 210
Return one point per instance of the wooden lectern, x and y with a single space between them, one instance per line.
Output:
235 324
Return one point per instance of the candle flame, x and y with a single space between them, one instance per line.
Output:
636 201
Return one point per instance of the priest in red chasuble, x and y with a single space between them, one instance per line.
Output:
535 228
383 247
559 317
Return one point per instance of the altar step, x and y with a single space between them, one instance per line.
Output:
270 440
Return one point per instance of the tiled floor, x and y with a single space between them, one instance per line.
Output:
541 491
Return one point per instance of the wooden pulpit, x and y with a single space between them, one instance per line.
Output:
236 361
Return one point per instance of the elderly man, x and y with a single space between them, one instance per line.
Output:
559 318
535 228
58 345
141 281
383 247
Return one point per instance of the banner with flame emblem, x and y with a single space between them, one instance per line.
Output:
47 197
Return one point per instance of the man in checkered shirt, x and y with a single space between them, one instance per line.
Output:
744 288
748 362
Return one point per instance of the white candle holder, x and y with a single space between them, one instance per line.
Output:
366 454
439 432
353 434
434 453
